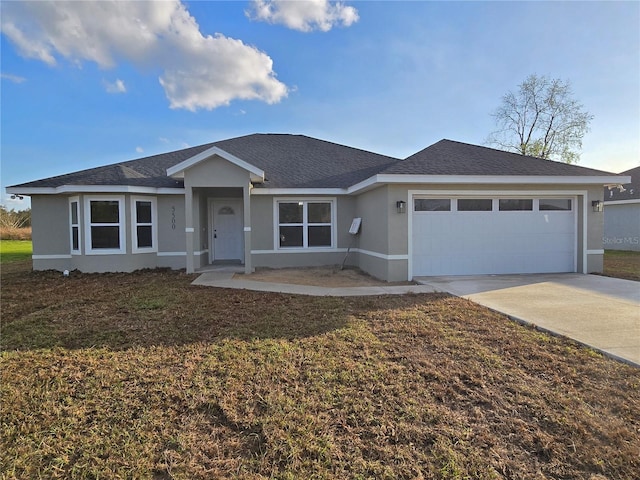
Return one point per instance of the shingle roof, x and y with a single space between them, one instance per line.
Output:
298 161
630 191
289 161
448 157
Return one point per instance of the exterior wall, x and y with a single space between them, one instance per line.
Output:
374 208
50 232
381 249
51 236
171 236
591 253
622 226
266 254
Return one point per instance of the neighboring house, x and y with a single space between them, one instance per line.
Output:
622 214
275 200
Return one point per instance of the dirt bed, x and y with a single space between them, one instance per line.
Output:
332 277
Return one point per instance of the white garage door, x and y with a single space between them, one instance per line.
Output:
469 236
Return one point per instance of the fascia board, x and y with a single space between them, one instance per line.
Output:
94 189
621 202
178 170
487 180
298 191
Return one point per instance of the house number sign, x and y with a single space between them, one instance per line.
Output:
173 217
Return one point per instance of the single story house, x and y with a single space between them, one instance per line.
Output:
279 200
622 214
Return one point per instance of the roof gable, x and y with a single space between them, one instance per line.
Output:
177 171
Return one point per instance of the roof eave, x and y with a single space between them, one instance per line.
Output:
396 178
62 189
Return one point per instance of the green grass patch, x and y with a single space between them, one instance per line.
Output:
15 250
144 376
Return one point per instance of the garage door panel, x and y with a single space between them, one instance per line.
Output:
467 243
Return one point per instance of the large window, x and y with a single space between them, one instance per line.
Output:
305 223
105 225
74 222
144 228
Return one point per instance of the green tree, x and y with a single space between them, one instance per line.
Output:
542 119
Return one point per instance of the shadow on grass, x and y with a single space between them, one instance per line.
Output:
160 307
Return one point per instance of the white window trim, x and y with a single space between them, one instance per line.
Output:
73 251
121 225
276 224
154 225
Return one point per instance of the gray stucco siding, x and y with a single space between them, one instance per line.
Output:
622 226
171 223
50 224
373 207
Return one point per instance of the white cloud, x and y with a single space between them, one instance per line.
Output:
306 15
116 87
12 78
139 149
199 71
163 139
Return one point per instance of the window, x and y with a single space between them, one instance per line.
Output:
144 224
104 220
305 224
475 205
558 204
74 222
432 205
512 204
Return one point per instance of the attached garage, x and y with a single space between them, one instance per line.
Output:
474 235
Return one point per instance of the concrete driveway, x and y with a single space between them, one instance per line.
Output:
601 312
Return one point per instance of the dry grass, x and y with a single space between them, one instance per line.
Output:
12 233
622 264
327 276
145 376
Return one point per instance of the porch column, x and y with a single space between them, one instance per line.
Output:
189 230
246 199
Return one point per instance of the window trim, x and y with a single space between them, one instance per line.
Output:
305 224
135 224
121 225
78 225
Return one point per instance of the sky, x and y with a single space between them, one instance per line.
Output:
86 83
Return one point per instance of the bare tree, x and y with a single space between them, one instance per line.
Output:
541 119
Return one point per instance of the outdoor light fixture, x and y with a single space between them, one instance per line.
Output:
401 206
597 205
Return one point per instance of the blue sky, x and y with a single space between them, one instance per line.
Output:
119 81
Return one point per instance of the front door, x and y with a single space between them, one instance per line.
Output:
226 230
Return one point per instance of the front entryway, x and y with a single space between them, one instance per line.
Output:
226 239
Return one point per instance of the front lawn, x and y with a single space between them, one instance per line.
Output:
15 250
622 264
145 376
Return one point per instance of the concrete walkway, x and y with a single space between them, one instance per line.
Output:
600 312
224 279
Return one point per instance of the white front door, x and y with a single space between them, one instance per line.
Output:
226 230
